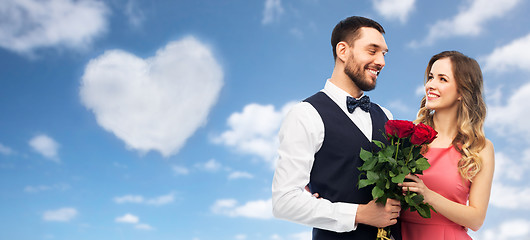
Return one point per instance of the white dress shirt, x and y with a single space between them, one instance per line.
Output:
301 136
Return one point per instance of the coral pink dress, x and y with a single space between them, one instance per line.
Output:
442 177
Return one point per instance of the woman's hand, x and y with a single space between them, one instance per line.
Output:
416 186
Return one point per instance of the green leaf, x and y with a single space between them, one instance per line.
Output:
378 143
425 211
409 201
399 178
381 200
412 164
365 182
432 208
372 176
422 164
405 170
368 164
418 199
377 192
422 212
365 155
391 160
388 151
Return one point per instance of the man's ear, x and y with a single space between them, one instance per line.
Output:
342 51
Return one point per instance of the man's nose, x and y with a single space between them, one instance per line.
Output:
380 60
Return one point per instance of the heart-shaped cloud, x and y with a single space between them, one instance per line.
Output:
155 103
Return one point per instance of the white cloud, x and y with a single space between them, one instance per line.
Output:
509 229
161 200
119 165
511 120
143 226
155 103
238 175
272 12
31 24
179 170
127 218
295 236
469 21
223 204
302 236
211 165
259 209
132 219
420 91
276 237
297 33
139 199
493 95
241 237
510 197
398 106
254 130
129 199
42 188
515 55
5 150
46 146
60 215
394 9
511 168
134 13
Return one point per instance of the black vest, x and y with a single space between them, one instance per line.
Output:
335 173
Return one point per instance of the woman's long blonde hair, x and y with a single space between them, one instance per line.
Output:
470 138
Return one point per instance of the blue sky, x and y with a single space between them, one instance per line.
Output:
129 119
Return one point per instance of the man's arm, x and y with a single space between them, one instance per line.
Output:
301 136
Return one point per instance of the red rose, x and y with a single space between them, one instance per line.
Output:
399 128
423 134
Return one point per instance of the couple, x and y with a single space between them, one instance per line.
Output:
321 137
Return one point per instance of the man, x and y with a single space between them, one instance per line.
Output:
320 141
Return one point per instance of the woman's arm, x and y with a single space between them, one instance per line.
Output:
471 216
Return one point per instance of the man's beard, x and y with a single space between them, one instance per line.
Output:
357 74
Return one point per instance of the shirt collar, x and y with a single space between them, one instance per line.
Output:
337 94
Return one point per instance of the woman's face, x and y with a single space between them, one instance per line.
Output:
441 89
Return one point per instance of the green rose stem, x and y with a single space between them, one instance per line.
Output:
397 148
410 153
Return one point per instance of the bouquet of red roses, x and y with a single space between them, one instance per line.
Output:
386 168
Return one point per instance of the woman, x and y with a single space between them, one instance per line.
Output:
461 158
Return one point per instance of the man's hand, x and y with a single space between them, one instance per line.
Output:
378 215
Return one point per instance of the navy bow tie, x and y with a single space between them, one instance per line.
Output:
363 103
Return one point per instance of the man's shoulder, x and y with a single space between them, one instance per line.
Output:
316 97
301 108
302 114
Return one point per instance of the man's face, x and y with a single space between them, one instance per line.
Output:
366 59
